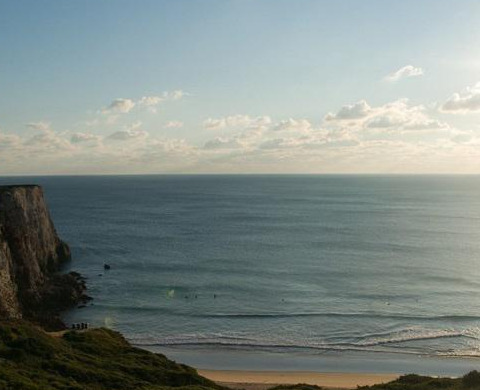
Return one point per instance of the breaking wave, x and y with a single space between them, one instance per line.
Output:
395 342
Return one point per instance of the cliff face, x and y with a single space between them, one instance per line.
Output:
31 254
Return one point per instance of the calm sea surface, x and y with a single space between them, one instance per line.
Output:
285 264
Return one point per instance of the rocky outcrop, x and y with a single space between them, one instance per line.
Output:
31 255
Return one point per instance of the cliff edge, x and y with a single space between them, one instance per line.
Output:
31 255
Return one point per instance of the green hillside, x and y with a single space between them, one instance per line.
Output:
470 381
97 359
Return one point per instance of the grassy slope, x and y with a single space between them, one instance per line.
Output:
95 360
100 359
470 381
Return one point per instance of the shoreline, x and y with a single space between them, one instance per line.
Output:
261 380
332 362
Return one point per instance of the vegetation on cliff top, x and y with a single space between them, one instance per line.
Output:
471 381
98 359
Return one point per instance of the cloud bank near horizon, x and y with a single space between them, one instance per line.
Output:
395 137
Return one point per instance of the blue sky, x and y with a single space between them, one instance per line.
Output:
239 86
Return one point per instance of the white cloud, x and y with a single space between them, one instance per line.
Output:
9 142
405 72
235 121
47 142
293 125
395 117
125 135
353 111
133 132
223 143
151 102
462 103
176 95
214 124
281 144
173 124
45 138
120 105
84 137
394 137
357 131
40 126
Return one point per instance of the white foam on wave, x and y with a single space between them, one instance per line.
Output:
417 334
401 341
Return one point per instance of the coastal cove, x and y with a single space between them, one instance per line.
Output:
239 195
344 281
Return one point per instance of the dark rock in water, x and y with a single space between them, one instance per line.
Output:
106 266
31 256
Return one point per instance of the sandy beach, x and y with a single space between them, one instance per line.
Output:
261 380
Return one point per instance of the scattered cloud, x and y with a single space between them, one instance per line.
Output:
397 136
293 125
233 121
405 72
133 132
151 102
120 105
396 117
463 103
40 126
9 142
176 95
173 124
48 142
84 137
353 111
214 124
223 143
125 135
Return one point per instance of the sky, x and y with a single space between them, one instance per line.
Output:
239 86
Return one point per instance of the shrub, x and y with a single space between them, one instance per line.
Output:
471 380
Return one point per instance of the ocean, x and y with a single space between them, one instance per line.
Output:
334 270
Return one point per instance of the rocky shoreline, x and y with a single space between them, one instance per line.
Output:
32 256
